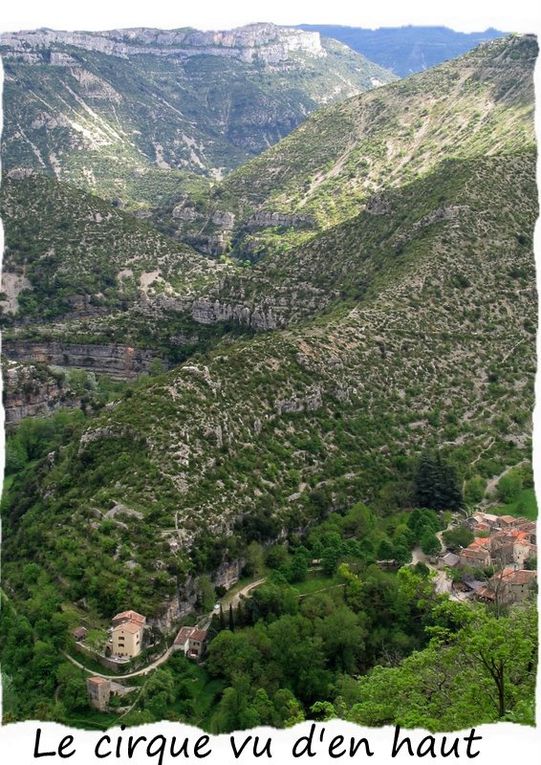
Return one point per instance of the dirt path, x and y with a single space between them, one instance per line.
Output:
243 593
202 624
493 482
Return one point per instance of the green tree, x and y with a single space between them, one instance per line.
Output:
436 484
509 486
255 560
430 543
461 536
206 593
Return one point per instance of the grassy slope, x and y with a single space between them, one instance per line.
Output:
480 104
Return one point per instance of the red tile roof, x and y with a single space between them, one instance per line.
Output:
198 635
132 627
183 635
523 576
97 680
129 616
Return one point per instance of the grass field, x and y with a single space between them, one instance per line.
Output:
316 581
524 505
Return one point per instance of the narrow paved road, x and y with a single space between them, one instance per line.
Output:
202 624
245 592
145 670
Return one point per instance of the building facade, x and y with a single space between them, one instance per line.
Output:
99 692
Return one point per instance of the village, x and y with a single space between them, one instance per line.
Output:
497 567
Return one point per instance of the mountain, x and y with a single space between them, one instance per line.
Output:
407 49
402 318
135 114
339 161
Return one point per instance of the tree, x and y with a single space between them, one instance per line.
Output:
298 568
206 594
343 639
476 674
474 489
436 484
72 688
276 556
255 562
509 486
461 536
504 650
430 544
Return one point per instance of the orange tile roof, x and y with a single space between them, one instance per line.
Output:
183 634
131 627
97 680
522 576
130 616
198 635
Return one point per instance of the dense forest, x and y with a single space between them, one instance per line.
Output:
330 633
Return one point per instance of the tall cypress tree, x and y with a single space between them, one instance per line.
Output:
436 484
231 619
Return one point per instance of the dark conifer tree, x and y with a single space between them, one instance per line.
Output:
436 484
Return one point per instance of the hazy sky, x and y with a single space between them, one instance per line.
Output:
465 15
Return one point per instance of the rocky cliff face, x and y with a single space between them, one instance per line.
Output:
32 392
262 43
163 102
120 362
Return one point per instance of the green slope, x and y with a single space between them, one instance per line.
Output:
402 325
133 116
336 162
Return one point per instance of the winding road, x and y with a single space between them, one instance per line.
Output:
203 624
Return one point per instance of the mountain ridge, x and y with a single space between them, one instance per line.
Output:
407 49
166 120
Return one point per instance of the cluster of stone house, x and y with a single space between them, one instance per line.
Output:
500 540
509 585
191 641
505 543
126 639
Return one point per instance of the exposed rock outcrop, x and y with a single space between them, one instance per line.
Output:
32 392
267 43
264 219
118 361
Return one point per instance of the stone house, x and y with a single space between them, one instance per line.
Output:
450 559
191 641
512 586
181 641
477 554
127 639
99 692
128 616
196 644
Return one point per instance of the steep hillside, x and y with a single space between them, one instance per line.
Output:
134 114
405 50
266 433
71 256
405 320
328 169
